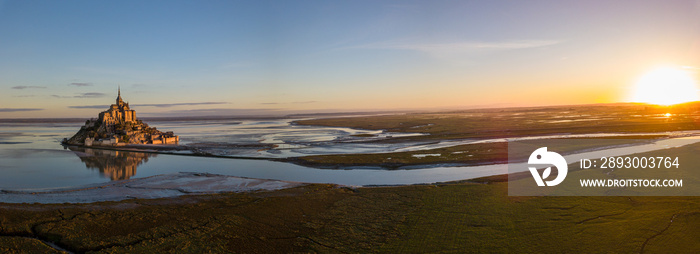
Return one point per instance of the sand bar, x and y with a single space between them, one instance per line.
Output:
159 186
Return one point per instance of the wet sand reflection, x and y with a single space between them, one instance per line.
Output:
117 165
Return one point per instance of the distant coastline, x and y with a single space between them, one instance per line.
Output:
337 113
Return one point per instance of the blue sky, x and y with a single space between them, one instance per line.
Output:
66 58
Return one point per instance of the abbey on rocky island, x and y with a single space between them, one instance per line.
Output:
118 126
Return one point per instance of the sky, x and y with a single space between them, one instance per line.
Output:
176 58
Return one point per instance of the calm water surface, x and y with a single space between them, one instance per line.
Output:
31 156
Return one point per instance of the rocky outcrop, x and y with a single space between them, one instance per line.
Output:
118 125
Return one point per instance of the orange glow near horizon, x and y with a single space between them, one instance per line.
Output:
665 86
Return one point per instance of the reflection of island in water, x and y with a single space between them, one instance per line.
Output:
117 165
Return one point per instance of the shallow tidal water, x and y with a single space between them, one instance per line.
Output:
31 156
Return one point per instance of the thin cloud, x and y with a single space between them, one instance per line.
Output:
80 84
150 105
218 112
441 49
28 87
81 95
90 95
295 102
222 110
90 107
3 110
167 105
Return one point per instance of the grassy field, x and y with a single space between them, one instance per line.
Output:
517 122
470 154
500 123
459 218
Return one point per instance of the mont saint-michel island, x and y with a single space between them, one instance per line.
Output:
118 126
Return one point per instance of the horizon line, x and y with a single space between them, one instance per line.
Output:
292 113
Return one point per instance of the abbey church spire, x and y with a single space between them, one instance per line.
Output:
119 95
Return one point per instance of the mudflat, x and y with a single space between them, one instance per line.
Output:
470 216
474 215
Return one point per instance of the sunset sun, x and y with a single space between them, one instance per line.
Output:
665 86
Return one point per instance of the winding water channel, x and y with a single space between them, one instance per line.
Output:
32 157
